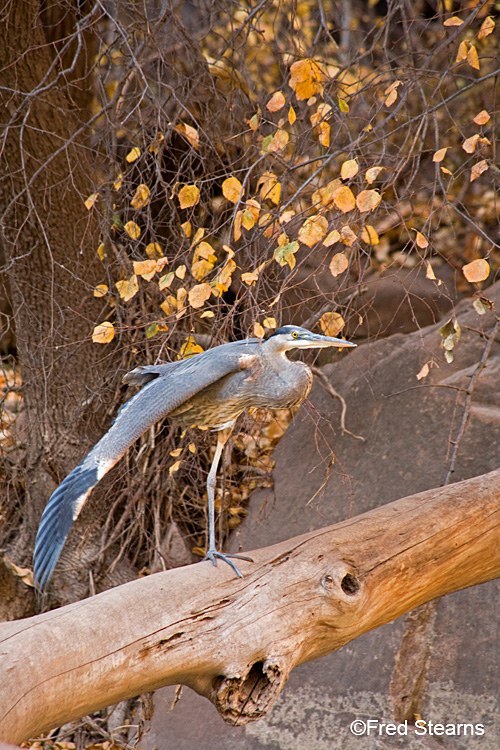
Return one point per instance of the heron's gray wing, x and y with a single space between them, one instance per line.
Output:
173 384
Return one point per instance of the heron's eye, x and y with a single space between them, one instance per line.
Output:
295 334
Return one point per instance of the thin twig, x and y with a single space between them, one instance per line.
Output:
331 390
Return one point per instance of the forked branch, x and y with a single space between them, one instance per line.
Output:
236 641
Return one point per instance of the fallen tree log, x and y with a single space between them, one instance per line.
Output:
236 641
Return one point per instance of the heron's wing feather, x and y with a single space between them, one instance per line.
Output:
173 384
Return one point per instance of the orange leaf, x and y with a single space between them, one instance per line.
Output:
344 199
469 145
478 270
291 115
278 141
472 57
145 268
462 52
237 225
367 200
141 197
372 174
393 95
331 323
232 189
199 294
487 27
313 230
305 79
369 235
421 240
100 290
349 169
440 154
188 196
103 333
276 102
347 236
270 188
127 288
133 154
478 169
482 118
453 21
169 305
331 238
338 265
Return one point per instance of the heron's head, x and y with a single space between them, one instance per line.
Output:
295 337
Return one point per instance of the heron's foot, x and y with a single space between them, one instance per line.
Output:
213 556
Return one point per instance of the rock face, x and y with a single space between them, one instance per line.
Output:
441 661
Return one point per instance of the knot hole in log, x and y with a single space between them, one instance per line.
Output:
240 700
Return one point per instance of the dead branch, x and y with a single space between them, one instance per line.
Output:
236 641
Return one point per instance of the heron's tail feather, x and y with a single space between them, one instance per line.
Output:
59 514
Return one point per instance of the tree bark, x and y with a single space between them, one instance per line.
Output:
236 641
49 243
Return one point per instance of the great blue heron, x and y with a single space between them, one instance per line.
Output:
210 389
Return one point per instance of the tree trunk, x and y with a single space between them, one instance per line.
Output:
49 245
236 641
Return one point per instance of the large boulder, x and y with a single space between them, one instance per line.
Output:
441 662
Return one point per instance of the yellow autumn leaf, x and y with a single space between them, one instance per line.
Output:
100 251
344 199
472 58
250 277
462 52
478 169
440 154
372 174
323 129
421 241
285 253
154 148
200 269
367 200
258 331
276 102
343 105
190 133
477 271
100 290
331 323
391 98
187 228
205 250
429 273
482 118
250 213
166 280
188 196
331 238
175 467
118 182
127 288
145 268
313 230
141 197
232 189
347 236
169 305
103 333
453 21
338 265
469 145
153 250
423 372
369 235
91 200
133 154
132 229
180 271
270 188
349 169
291 115
224 277
199 294
305 78
278 141
237 225
487 27
269 323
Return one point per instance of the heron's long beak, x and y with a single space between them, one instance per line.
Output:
316 340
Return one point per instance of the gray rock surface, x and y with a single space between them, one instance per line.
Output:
450 672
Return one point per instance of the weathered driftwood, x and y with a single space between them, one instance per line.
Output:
236 641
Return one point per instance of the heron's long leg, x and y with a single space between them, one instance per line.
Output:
212 553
